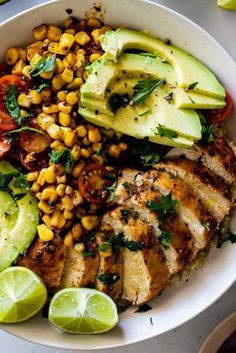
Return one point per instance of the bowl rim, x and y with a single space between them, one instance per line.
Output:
220 293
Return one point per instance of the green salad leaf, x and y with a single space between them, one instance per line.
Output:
63 157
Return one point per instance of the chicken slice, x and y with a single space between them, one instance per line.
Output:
144 271
210 188
122 193
47 260
79 270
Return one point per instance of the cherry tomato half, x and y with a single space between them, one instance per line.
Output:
92 183
6 121
37 162
33 142
4 147
214 116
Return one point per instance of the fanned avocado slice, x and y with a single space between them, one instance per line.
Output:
188 69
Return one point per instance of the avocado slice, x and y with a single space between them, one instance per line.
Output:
18 220
188 69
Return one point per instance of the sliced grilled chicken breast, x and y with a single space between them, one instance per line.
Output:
144 271
79 270
47 260
210 188
122 193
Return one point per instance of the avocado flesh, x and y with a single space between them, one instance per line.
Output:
18 220
227 4
188 69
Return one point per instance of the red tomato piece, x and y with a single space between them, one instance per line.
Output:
214 116
34 142
6 121
38 162
4 147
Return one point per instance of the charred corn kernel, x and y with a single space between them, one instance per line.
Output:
57 220
61 95
85 153
50 108
59 66
46 43
55 131
67 75
53 33
46 94
80 212
105 249
50 174
36 45
24 100
62 179
69 191
43 206
82 38
68 214
64 107
44 121
49 194
22 53
69 240
18 68
12 56
60 189
93 57
47 220
59 169
53 47
94 135
70 138
96 33
77 198
97 159
39 32
77 169
86 141
45 234
46 75
26 71
89 222
80 60
57 145
79 248
35 59
35 187
57 82
85 75
114 151
32 176
80 72
123 146
59 207
35 96
72 98
67 203
69 60
73 123
68 22
70 30
96 146
64 119
81 131
75 153
30 53
66 41
76 83
94 22
77 231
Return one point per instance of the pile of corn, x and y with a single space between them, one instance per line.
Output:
75 45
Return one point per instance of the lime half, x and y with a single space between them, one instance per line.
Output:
83 310
22 294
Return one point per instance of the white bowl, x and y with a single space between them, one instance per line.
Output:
217 336
184 301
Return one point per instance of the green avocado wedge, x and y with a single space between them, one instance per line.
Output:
188 69
19 217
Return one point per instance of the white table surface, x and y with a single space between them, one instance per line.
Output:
187 338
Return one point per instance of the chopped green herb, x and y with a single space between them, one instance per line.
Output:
165 237
118 241
111 190
191 99
136 215
144 88
206 225
143 308
63 157
166 205
127 185
101 150
108 278
145 153
43 65
146 112
89 236
104 246
125 214
162 131
132 245
117 101
207 134
229 236
20 181
192 85
88 253
12 105
42 86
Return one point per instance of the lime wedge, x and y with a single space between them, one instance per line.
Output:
83 310
22 294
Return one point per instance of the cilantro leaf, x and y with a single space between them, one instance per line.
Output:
111 190
207 131
166 205
10 135
108 278
42 86
143 89
63 157
192 85
162 131
165 237
125 214
118 241
229 236
104 246
143 308
132 245
43 65
88 253
12 105
145 153
128 186
117 101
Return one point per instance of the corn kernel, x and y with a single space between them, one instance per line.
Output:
57 82
86 141
72 98
46 94
61 189
61 95
45 43
57 220
69 60
18 68
67 203
68 22
55 131
22 53
94 23
59 66
46 75
93 57
54 48
94 135
114 151
43 206
50 174
97 159
69 240
69 191
39 32
59 207
96 33
50 108
80 212
68 214
77 169
26 71
81 131
32 176
64 107
77 198
47 220
77 231
79 248
24 100
53 33
82 38
35 96
12 56
85 153
67 75
89 222
41 177
61 179
66 41
44 121
76 83
105 249
49 194
57 145
45 234
85 75
70 30
64 119
75 153
35 187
